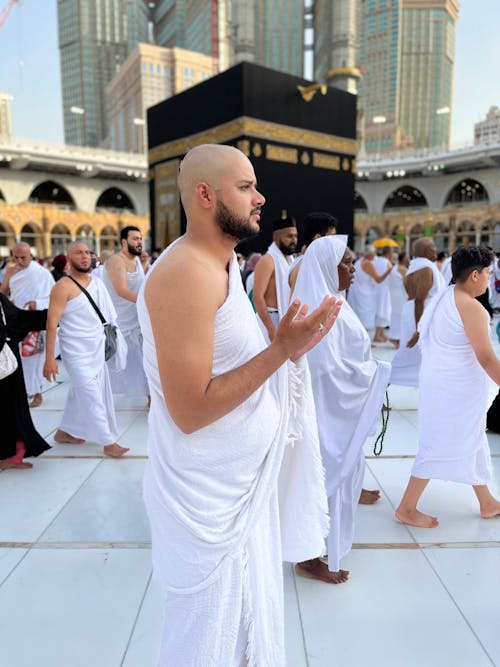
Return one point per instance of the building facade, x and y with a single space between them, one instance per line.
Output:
487 131
53 195
95 38
5 114
149 75
405 51
453 197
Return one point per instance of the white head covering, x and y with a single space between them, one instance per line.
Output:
319 274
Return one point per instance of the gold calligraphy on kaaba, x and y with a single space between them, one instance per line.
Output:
326 161
282 154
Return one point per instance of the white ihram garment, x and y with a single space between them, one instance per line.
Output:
407 360
32 284
282 265
348 386
452 443
397 291
89 412
495 275
212 501
383 307
132 380
362 296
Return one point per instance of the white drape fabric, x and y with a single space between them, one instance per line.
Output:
212 501
453 399
32 284
384 306
362 296
399 297
132 380
406 363
348 386
89 411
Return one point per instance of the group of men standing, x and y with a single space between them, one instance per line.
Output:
78 306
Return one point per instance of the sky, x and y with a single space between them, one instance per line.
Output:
29 36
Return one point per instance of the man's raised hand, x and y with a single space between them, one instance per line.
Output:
298 332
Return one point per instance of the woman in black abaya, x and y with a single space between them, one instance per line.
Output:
18 437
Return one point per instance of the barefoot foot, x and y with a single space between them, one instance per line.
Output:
115 451
36 402
416 518
316 569
369 497
63 437
8 465
490 510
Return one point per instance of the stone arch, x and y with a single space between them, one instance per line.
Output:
31 234
7 238
466 191
60 239
373 233
109 238
86 234
116 200
51 192
405 196
441 236
466 233
416 231
359 203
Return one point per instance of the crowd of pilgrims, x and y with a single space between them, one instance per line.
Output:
382 289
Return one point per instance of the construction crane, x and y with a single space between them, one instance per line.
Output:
5 11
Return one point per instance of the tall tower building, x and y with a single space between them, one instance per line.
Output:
94 40
407 55
267 32
336 43
149 75
5 115
405 50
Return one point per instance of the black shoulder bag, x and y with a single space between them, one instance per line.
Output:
111 342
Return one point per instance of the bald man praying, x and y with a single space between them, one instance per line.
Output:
217 426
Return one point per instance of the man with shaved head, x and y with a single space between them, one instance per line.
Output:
29 285
423 280
89 413
218 424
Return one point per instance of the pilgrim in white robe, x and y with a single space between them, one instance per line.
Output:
282 265
348 386
446 271
89 412
453 400
32 284
132 380
362 297
212 500
495 275
399 296
383 307
406 363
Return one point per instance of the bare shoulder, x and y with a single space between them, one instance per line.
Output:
468 307
64 289
114 262
186 276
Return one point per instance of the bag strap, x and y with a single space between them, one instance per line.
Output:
3 316
92 302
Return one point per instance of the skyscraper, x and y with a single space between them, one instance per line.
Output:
267 32
406 57
94 40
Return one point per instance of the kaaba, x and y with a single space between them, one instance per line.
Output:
299 136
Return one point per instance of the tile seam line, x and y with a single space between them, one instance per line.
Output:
458 608
134 624
299 610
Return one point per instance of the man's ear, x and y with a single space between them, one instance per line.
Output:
204 194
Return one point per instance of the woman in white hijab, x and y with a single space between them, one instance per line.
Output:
348 387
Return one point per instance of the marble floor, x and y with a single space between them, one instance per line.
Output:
75 570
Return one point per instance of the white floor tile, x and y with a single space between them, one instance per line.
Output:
400 438
472 577
64 607
144 645
384 617
9 558
294 641
107 508
454 504
31 499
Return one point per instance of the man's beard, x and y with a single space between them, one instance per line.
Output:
232 225
81 269
288 250
134 251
